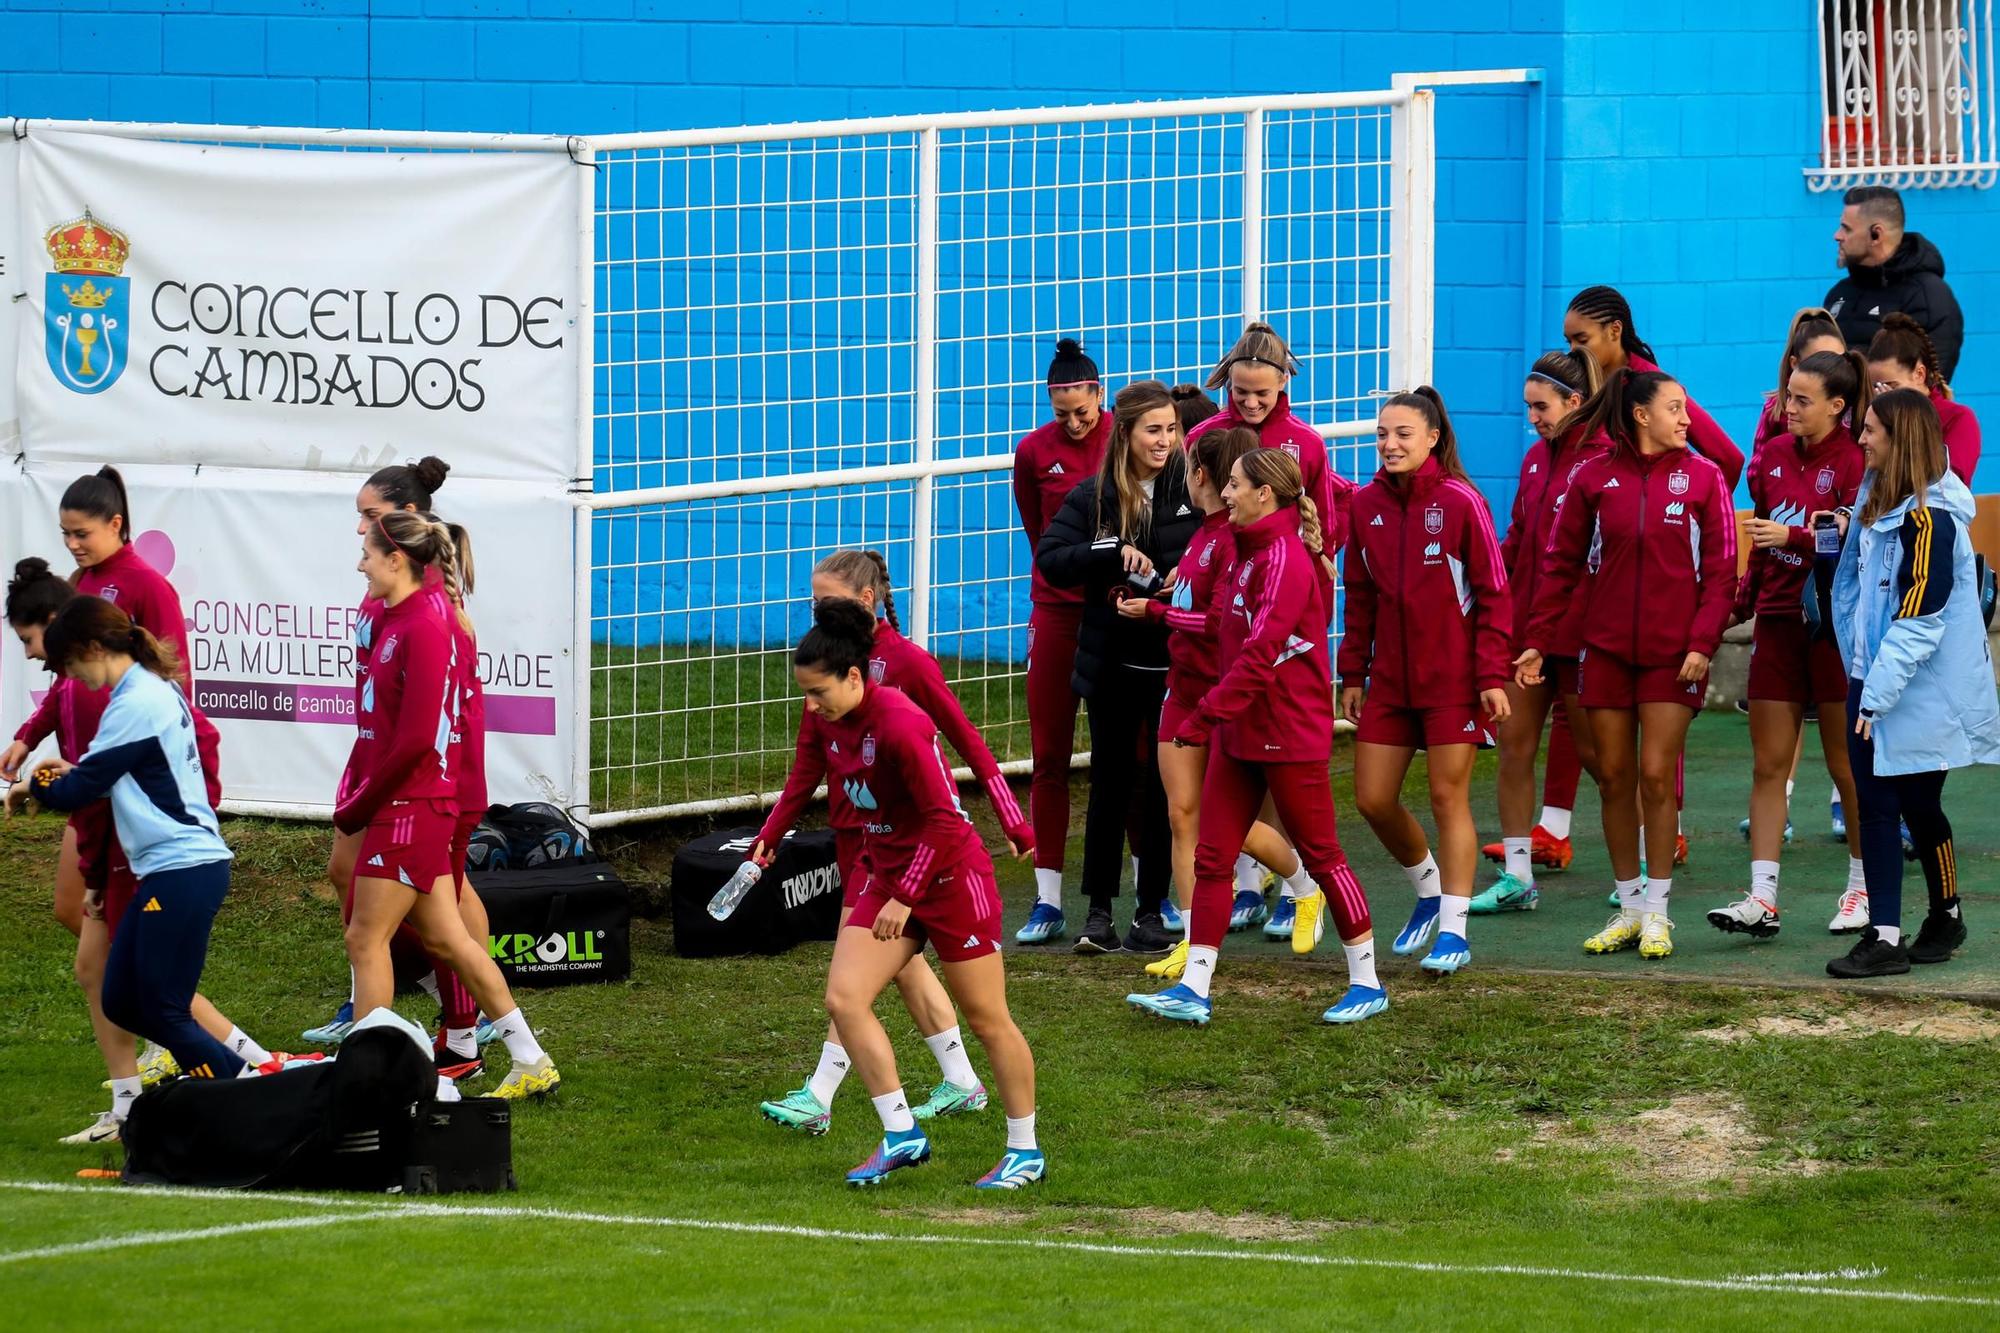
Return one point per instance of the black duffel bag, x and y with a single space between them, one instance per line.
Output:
798 898
561 925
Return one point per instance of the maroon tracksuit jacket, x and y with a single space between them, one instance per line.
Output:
1788 482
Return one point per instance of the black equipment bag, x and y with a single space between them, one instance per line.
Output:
561 925
798 898
343 1124
464 1147
528 837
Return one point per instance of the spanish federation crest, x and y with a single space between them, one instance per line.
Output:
1824 482
84 304
1434 519
1677 482
867 749
877 668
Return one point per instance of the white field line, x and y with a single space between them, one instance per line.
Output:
139 1238
372 1209
1833 1275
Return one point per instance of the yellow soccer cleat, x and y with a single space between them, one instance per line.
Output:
1621 932
155 1065
1656 936
1308 922
1172 965
536 1080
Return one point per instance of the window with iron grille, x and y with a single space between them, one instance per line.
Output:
1906 94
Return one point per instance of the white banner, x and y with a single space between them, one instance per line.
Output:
13 281
265 568
296 309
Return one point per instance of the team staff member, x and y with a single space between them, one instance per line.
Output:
862 577
1428 619
1050 462
1557 386
1271 714
928 880
1132 520
401 793
1906 612
1901 356
1816 465
1647 538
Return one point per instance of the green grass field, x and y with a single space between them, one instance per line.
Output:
1513 1148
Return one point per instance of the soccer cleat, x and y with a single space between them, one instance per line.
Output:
452 1065
1044 924
1619 933
798 1110
1838 812
1449 954
1421 926
1656 936
485 1034
1099 935
335 1032
105 1129
897 1150
1171 919
537 1080
1020 1168
1247 910
1308 922
156 1064
1743 828
1148 935
947 1098
1680 849
280 1061
1871 956
1177 1004
1909 846
1170 967
1748 915
1544 848
1937 938
1853 913
1612 899
1360 1002
1509 893
1278 925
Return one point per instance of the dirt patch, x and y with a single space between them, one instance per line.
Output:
1939 1020
1146 1221
1701 1138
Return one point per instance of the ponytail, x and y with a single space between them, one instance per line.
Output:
86 622
102 496
1309 529
1611 409
1217 451
842 637
1908 344
864 569
1571 374
1429 404
1607 305
1844 375
425 542
1809 325
410 485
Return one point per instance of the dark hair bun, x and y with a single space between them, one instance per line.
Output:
1901 319
32 567
430 472
846 618
1180 393
1068 347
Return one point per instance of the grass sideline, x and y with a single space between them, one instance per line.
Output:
1500 1150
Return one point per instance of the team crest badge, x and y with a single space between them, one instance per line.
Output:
1434 519
1206 552
1291 449
877 668
85 304
1243 579
1677 483
867 749
1824 482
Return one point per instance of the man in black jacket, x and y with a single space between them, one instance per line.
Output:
1890 269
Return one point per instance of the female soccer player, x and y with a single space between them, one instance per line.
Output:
1188 611
457 1046
862 577
1812 330
1558 385
929 879
1900 356
1428 618
1816 465
1132 520
1193 406
1049 462
402 796
1906 611
1271 712
1647 540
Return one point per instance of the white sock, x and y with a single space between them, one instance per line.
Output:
1789 784
1200 973
1554 822
1249 874
1764 881
124 1091
949 1048
1520 858
1452 911
239 1042
1021 1131
1631 895
1048 886
1423 876
894 1108
1832 798
1135 874
833 1066
350 987
1299 884
1361 963
1890 934
520 1039
447 1091
1856 878
1677 823
459 1041
1656 892
430 985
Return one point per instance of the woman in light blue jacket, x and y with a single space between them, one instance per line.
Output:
1920 688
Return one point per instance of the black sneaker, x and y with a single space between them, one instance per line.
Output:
1941 933
1871 956
1099 935
1149 935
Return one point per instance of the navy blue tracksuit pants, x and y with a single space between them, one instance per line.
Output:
155 966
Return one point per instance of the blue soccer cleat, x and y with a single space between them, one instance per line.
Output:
485 1034
1171 919
1449 954
1044 924
897 1150
1360 1002
1247 910
1422 925
1177 1004
1020 1168
332 1034
1838 813
1278 926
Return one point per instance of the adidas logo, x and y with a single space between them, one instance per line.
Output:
1533 468
1182 510
1876 310
840 1064
1611 485
1468 727
1433 870
152 905
1376 522
972 941
1056 471
375 860
951 1046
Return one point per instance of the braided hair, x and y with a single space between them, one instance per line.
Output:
864 569
1607 305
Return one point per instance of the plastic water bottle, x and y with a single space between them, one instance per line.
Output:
731 895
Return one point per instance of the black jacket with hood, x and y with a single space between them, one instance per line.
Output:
1912 281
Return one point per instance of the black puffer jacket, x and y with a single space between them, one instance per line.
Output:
1912 281
1073 554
